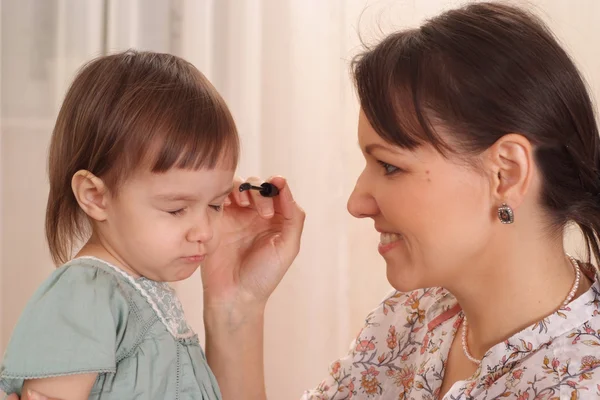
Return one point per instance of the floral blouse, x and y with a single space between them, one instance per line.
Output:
402 350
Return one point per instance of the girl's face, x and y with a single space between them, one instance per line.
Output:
161 226
433 213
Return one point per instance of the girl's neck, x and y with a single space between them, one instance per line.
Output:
95 247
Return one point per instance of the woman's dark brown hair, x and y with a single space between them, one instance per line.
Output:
483 71
127 111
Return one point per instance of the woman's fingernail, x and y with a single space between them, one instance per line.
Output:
266 211
244 200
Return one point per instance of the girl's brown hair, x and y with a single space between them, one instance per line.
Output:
483 71
125 111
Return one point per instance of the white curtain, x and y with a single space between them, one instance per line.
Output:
282 66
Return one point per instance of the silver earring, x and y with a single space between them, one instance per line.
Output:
505 214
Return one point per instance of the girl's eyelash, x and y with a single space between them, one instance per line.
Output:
176 213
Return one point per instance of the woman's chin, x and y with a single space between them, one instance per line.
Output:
402 279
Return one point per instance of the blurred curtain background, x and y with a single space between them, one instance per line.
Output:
282 66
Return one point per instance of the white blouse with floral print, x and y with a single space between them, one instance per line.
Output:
401 353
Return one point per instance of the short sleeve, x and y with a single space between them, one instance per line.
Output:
339 381
69 326
345 376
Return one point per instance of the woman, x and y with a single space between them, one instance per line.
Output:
480 146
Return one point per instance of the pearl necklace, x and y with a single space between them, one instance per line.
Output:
568 299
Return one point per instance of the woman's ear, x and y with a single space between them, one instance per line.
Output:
511 162
91 194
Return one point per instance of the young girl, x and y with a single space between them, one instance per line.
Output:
141 162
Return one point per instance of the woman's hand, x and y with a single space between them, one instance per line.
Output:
260 237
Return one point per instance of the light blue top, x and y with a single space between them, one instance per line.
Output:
90 316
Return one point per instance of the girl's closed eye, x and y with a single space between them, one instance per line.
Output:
177 212
217 208
389 168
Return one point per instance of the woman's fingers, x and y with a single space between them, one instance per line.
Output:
264 205
293 215
283 203
239 198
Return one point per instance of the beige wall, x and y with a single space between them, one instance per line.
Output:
282 67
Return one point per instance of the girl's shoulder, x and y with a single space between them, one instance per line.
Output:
83 318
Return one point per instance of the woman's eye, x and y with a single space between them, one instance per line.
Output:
177 212
389 168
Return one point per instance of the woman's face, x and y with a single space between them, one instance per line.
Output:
433 213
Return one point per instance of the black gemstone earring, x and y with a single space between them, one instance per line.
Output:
505 214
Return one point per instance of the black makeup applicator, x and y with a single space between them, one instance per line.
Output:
266 189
